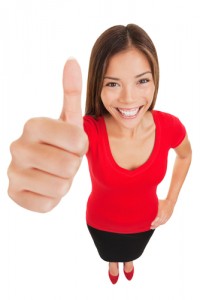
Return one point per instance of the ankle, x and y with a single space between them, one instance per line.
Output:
113 268
128 266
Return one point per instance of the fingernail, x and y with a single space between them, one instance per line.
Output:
71 58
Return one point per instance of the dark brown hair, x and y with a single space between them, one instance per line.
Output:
112 41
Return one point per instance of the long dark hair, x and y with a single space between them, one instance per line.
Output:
112 41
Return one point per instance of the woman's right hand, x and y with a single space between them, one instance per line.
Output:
48 154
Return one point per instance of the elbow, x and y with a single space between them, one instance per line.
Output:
189 156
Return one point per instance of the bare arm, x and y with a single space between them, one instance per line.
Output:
180 170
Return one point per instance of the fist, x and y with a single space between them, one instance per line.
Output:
48 154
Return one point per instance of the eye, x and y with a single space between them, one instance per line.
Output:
112 84
143 81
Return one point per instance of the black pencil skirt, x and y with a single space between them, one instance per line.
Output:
117 247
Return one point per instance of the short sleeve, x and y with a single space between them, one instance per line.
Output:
90 128
178 132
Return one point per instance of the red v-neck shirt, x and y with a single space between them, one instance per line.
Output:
121 200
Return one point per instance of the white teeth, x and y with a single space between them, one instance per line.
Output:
129 112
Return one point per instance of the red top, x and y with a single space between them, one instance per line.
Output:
121 200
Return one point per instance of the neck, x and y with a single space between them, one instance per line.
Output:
115 129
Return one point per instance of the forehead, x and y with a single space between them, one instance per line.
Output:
131 60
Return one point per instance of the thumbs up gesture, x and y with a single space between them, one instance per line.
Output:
49 152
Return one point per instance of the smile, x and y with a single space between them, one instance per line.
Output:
129 113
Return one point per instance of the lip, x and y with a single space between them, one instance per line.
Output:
130 108
125 112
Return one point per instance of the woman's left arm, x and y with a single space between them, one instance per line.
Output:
180 170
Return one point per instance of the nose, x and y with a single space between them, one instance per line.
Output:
128 95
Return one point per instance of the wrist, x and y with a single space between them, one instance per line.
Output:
171 201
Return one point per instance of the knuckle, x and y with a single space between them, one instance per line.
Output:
12 191
13 147
33 126
69 168
12 174
63 187
75 166
29 125
16 149
9 190
49 205
82 144
9 171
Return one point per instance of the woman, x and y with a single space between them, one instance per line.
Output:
126 143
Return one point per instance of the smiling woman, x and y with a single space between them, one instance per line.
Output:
130 95
126 143
128 147
118 39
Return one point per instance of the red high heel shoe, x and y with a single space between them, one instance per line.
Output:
113 278
129 275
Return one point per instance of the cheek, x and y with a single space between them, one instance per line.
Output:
149 93
103 98
107 98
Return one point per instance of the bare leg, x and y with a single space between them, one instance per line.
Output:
128 270
128 266
113 268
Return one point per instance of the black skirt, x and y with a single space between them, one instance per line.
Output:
117 247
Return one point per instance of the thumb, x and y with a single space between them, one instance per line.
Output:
72 86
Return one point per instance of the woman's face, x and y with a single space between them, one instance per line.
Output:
128 87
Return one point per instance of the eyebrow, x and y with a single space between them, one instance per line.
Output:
137 76
143 74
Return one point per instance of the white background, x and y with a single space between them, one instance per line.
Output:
51 256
